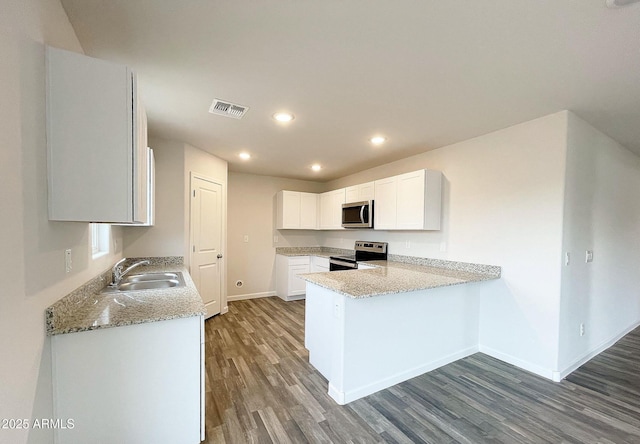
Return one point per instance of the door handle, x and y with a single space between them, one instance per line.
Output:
219 256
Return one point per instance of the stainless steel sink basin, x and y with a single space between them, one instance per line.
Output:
148 285
151 277
148 281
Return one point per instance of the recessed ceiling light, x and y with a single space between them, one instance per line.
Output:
316 167
244 156
283 117
378 140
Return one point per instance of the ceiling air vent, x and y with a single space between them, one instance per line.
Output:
228 109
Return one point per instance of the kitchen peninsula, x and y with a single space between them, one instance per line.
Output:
369 329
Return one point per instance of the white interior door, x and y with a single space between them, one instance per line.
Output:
206 241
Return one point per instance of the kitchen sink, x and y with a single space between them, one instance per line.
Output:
152 277
148 281
148 285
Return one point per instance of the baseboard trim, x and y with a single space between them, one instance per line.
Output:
241 297
524 365
593 353
343 398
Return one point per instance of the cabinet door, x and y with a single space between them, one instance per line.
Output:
366 191
410 203
130 363
288 210
91 140
385 204
297 286
308 211
151 203
326 214
333 219
360 192
140 162
319 264
352 194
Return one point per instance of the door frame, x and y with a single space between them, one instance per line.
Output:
224 307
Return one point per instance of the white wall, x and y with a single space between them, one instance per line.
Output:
252 203
602 213
502 205
166 237
32 248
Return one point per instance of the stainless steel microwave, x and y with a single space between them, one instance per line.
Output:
357 214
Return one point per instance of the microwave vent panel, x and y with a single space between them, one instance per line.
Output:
228 109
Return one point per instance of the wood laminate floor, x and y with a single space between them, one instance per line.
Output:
261 388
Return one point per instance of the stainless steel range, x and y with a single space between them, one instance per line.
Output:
364 251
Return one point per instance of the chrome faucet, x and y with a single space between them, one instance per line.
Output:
118 273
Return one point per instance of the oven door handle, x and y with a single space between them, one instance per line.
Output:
343 263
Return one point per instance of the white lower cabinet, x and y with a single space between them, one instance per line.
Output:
319 264
288 285
131 384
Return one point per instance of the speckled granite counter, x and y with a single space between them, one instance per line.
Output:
403 274
87 309
312 251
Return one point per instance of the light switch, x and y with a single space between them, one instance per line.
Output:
68 264
589 256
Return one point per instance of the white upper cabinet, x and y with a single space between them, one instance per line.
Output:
308 211
384 212
98 161
410 201
361 192
296 210
331 209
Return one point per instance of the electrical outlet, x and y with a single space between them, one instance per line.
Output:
407 244
245 238
443 246
567 258
275 239
581 329
68 264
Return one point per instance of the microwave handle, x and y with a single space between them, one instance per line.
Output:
362 213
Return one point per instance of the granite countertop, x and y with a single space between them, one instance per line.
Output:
88 309
401 275
312 251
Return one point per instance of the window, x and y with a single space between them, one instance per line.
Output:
100 235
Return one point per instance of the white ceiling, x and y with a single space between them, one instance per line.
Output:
423 73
